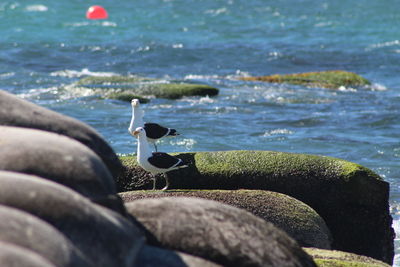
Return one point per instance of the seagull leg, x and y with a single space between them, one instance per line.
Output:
166 182
155 146
154 183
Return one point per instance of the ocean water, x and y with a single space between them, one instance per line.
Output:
46 45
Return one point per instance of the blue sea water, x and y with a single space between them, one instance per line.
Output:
46 45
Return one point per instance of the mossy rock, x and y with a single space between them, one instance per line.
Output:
216 232
352 199
325 79
297 219
115 79
128 87
334 258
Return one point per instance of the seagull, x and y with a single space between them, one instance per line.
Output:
155 162
154 131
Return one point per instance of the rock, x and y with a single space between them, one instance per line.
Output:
151 256
297 219
15 256
353 200
334 258
128 87
27 231
58 158
17 112
105 237
217 232
325 79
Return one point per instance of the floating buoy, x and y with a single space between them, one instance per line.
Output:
96 12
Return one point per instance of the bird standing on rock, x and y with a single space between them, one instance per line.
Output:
155 162
154 131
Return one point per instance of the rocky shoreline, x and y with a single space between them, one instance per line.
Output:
75 203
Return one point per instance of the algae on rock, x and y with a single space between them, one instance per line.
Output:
325 79
126 88
334 258
352 199
297 219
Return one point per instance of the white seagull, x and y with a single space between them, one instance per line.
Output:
154 131
155 162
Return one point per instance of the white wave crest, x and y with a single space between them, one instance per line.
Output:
277 132
80 73
36 8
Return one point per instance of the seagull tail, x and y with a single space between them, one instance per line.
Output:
172 132
181 164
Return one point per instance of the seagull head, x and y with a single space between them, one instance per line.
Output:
139 131
135 102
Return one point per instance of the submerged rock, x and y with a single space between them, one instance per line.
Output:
29 232
18 112
334 258
217 232
297 219
103 236
60 159
325 79
126 88
353 200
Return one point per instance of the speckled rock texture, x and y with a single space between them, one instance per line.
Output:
217 232
60 159
103 236
15 111
27 231
15 256
297 219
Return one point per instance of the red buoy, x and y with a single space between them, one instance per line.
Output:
96 12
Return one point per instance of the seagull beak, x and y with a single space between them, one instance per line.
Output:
135 133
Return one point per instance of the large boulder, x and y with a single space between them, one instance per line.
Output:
352 199
151 256
216 232
297 219
104 236
326 79
128 87
15 256
18 112
58 158
334 258
27 231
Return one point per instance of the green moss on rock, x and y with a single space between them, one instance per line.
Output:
106 80
334 258
297 219
325 79
353 200
126 87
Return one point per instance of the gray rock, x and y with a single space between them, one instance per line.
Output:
15 111
352 199
104 236
29 232
15 256
58 158
297 219
151 256
216 232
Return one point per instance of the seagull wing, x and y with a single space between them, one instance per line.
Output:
155 131
164 160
